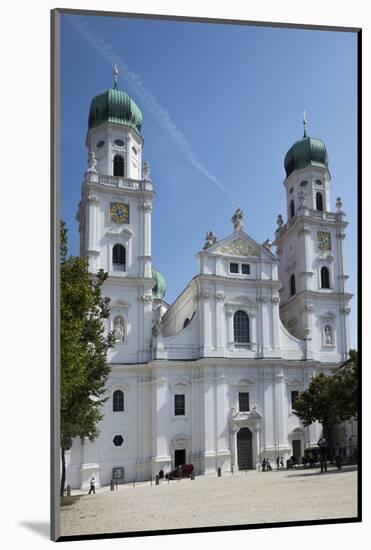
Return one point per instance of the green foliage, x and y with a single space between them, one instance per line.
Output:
84 346
330 399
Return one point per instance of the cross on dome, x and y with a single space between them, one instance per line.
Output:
115 75
305 124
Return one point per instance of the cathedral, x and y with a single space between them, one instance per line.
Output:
210 379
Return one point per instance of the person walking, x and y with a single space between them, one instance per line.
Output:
264 464
322 443
92 486
281 462
337 456
278 463
269 467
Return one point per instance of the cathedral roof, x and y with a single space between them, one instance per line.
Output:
114 106
306 152
159 289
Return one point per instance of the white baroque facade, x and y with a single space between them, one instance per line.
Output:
210 379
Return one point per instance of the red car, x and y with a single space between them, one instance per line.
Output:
184 470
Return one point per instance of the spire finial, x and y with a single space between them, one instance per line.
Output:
115 74
305 123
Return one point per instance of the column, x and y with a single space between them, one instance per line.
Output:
147 214
257 442
161 419
128 170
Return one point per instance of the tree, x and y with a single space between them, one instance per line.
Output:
84 346
332 399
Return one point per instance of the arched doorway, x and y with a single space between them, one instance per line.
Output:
244 449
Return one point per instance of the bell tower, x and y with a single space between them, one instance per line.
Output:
310 246
114 218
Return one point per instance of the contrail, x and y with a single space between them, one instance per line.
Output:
153 106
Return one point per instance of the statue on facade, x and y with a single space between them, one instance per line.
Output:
237 219
338 205
210 239
146 171
118 328
279 220
267 244
157 328
92 162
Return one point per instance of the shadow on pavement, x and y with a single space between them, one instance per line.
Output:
330 470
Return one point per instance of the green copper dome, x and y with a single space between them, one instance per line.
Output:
306 152
158 291
115 106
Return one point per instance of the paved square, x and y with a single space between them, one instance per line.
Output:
288 495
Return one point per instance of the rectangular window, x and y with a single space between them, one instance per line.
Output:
245 269
233 268
294 396
179 405
243 401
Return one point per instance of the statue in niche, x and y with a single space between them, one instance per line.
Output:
92 162
302 198
118 328
146 171
210 240
328 336
237 219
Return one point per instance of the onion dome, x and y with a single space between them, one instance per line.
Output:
305 152
115 106
158 291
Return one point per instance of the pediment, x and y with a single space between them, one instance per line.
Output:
325 257
244 382
242 299
119 232
120 304
237 244
239 247
328 316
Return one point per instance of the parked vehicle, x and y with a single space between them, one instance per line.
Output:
184 470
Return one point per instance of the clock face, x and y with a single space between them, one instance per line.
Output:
324 240
119 212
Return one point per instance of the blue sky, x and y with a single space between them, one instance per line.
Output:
221 106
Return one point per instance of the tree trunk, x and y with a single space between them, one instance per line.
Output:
63 477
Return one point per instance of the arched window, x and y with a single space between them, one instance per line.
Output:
328 338
118 166
292 285
292 209
241 328
325 277
119 257
118 401
319 201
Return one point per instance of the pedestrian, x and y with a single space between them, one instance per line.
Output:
258 466
322 443
269 467
264 464
337 455
278 463
281 463
92 486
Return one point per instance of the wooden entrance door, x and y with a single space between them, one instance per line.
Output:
244 449
179 457
296 450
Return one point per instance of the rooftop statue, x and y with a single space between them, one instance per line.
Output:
237 219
